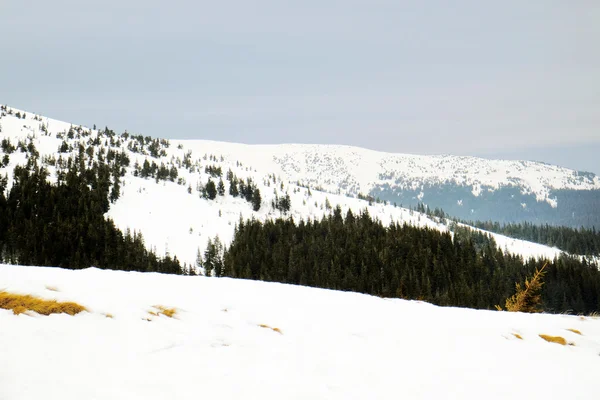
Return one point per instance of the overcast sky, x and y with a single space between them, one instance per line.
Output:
517 79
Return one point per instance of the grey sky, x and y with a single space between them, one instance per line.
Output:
509 79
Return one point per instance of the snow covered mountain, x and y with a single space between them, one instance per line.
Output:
352 170
465 187
234 339
163 184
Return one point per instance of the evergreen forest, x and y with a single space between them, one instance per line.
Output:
575 241
357 253
63 224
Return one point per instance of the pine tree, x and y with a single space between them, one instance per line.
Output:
115 191
211 190
173 174
146 170
199 262
233 188
256 199
217 252
210 258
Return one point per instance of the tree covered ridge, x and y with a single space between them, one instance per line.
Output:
89 168
357 253
63 224
575 241
581 241
150 158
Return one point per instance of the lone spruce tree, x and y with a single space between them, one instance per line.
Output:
211 190
256 199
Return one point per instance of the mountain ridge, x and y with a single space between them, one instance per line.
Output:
452 166
171 211
470 170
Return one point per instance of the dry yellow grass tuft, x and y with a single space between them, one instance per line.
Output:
574 331
20 303
52 288
554 339
517 336
271 328
108 315
168 312
19 310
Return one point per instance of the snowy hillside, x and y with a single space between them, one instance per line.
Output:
353 170
232 339
175 218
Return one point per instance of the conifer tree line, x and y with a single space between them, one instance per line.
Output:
582 241
153 170
575 241
237 187
63 224
358 253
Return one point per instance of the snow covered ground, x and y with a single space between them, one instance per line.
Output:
331 345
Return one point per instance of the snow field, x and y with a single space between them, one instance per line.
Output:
332 345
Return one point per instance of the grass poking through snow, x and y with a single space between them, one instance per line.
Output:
167 312
554 339
20 303
574 331
271 328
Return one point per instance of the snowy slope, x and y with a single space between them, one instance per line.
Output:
174 218
332 345
353 170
